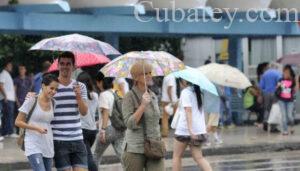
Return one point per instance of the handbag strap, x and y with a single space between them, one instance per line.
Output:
30 113
143 117
32 109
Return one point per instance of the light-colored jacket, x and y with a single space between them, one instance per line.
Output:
134 135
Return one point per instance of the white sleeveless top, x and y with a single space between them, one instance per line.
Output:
34 141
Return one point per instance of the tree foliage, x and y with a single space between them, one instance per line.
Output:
17 46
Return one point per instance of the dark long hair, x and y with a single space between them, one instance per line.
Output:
86 79
197 92
292 73
198 95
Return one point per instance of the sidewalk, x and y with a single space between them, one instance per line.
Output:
239 140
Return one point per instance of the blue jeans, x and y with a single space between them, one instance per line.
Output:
8 117
40 163
1 107
286 113
226 114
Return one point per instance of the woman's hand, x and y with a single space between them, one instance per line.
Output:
41 130
102 136
146 99
193 136
30 95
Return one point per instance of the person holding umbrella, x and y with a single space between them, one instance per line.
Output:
141 114
189 121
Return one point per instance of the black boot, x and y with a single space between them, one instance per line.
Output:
274 129
265 126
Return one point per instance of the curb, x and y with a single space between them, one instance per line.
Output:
238 149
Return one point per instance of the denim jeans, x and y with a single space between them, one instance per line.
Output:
40 163
8 117
1 107
286 113
226 113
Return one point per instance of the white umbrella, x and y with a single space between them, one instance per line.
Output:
225 75
75 43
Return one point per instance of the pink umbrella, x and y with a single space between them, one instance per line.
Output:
293 59
82 60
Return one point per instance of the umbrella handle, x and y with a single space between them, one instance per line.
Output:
146 88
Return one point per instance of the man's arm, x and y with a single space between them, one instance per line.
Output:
2 90
82 106
169 90
17 100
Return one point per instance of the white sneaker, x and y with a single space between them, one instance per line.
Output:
13 135
1 138
207 144
218 141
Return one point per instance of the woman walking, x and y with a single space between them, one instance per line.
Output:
88 123
141 114
38 139
190 130
108 135
286 90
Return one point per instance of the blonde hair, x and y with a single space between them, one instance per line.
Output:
137 69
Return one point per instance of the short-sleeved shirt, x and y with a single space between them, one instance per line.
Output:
8 86
188 99
168 81
106 101
36 142
37 82
66 123
23 87
88 121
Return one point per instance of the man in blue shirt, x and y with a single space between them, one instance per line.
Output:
37 81
268 84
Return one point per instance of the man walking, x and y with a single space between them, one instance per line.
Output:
267 84
168 96
71 96
8 96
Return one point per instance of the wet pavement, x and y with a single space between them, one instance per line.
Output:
284 161
238 141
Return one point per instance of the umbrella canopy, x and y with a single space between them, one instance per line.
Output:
162 62
225 75
293 59
82 60
194 76
75 43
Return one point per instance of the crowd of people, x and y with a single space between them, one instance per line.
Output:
275 88
65 117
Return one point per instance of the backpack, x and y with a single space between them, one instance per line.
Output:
116 117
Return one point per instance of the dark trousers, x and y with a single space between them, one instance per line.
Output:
8 117
259 110
89 137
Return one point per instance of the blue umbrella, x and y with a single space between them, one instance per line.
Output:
194 76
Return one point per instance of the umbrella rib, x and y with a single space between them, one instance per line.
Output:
160 66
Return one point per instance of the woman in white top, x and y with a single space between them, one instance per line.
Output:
190 130
88 123
108 135
38 136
